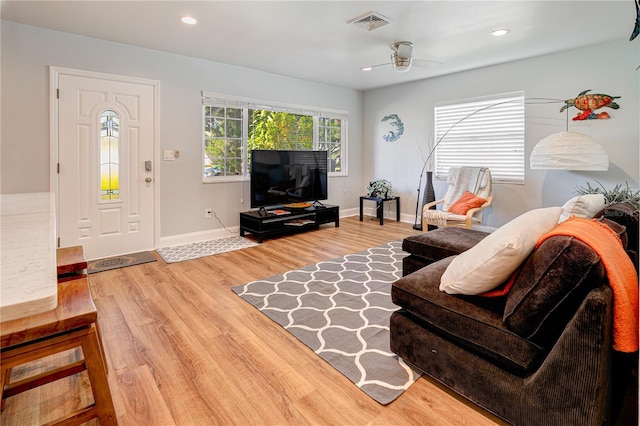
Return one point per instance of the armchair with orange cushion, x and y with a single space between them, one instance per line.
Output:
469 192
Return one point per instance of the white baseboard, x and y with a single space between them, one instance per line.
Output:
348 212
195 237
368 212
213 234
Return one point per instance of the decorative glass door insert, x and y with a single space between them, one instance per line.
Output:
109 155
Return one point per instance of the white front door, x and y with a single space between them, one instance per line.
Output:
106 169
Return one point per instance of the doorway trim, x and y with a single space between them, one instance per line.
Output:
54 73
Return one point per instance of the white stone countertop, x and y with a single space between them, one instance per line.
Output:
28 271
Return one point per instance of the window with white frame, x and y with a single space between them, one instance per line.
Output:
485 132
233 126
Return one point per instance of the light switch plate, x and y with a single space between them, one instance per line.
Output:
169 154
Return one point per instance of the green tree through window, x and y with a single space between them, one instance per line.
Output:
280 130
231 132
223 141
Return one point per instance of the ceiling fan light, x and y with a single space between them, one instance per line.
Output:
400 64
401 68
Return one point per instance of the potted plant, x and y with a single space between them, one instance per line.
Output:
380 188
618 194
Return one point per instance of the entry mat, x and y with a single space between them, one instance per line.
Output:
115 262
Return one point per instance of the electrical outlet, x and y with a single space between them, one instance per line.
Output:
208 213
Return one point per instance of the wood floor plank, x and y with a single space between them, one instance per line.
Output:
142 402
184 349
116 332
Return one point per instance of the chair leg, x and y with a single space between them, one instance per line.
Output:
100 341
6 379
94 361
101 344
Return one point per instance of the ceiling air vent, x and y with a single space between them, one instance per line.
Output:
369 21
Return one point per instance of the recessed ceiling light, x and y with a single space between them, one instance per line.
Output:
366 68
500 32
189 20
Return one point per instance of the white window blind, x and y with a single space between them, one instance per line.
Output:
484 132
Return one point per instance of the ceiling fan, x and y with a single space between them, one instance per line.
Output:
401 57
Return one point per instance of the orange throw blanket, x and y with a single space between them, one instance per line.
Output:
623 278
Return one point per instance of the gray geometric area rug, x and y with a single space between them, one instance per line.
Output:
115 262
204 248
341 309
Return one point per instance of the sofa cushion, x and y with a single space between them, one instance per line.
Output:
627 215
549 288
412 263
442 242
585 206
492 261
471 325
620 230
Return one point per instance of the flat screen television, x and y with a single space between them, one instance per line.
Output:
281 177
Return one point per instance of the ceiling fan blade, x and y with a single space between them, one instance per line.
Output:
426 63
427 60
370 67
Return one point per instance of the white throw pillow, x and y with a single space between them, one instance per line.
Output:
585 206
492 261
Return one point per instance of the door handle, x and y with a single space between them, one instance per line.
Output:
148 179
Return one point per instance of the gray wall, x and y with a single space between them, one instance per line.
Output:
607 68
28 51
24 154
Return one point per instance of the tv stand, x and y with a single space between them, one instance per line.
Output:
266 223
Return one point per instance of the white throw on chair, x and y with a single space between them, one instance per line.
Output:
476 181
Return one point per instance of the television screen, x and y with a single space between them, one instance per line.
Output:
281 177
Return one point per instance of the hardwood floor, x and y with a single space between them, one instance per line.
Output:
183 349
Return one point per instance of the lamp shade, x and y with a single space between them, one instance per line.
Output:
569 151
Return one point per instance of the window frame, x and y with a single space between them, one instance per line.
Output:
466 123
230 101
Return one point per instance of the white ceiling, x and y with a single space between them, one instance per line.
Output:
311 39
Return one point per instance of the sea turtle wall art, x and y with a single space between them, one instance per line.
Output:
588 102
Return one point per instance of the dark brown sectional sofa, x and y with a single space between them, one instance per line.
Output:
542 354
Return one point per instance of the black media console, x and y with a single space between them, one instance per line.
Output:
280 220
